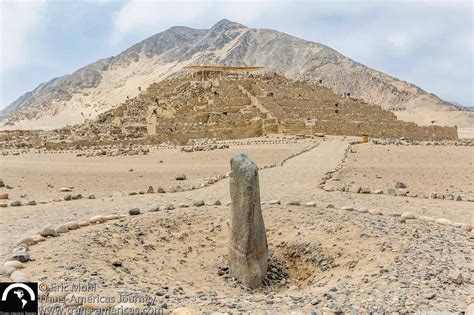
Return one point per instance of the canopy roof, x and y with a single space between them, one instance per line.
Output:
222 68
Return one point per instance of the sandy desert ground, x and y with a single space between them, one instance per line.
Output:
423 169
330 250
39 177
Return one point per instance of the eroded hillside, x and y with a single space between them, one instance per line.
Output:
107 83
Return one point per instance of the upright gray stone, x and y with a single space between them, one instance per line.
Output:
248 249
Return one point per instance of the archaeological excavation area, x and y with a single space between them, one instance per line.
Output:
329 246
248 193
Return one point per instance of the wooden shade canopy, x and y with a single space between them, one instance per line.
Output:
222 68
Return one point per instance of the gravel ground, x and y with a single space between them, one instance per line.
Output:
424 169
321 258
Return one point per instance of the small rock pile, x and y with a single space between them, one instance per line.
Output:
405 141
195 145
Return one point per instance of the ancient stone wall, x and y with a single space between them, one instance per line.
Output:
229 108
386 130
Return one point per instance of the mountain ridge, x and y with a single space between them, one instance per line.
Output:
108 82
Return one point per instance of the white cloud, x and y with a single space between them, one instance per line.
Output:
18 21
141 16
399 41
147 17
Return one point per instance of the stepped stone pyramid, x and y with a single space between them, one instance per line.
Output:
230 106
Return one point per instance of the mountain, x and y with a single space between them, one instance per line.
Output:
107 83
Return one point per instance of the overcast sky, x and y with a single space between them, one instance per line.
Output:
429 43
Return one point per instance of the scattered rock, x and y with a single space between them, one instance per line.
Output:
150 190
38 238
448 196
19 276
21 253
154 209
65 189
391 192
180 177
14 263
15 203
134 211
329 188
456 277
408 216
364 190
8 270
72 225
354 189
426 219
113 217
428 295
62 229
76 196
315 301
444 221
466 227
28 241
198 203
3 196
97 219
48 231
160 190
117 263
375 212
400 185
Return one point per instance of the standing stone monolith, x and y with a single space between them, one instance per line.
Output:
248 249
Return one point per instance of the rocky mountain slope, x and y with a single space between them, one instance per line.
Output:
106 83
